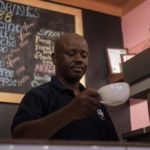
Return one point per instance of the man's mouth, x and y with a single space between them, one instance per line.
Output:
77 68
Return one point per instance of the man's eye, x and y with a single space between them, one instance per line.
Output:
84 54
71 52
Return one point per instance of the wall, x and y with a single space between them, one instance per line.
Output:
136 25
7 112
102 31
136 37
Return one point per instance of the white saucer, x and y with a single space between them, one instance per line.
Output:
116 103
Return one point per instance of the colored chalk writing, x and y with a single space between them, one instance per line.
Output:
27 38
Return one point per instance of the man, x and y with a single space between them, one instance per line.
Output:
63 108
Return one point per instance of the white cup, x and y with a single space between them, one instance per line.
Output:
115 93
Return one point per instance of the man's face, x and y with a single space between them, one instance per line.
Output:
72 59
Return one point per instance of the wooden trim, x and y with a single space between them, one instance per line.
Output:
130 6
10 97
96 5
92 5
111 8
58 8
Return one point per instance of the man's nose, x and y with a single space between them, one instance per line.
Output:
79 57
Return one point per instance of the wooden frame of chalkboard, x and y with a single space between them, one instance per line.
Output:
30 9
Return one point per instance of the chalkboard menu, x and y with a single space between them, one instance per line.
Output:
27 37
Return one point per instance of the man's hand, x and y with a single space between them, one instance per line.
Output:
84 104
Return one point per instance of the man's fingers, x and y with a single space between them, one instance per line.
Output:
91 92
94 102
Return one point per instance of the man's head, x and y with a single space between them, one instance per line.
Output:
71 57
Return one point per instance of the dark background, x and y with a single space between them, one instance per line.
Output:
102 31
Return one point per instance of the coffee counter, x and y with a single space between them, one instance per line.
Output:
139 135
70 145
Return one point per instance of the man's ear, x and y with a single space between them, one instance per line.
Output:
54 58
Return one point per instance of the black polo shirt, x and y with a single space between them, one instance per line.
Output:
51 96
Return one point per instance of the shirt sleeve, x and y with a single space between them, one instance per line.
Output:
32 106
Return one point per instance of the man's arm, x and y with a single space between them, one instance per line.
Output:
82 106
44 127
